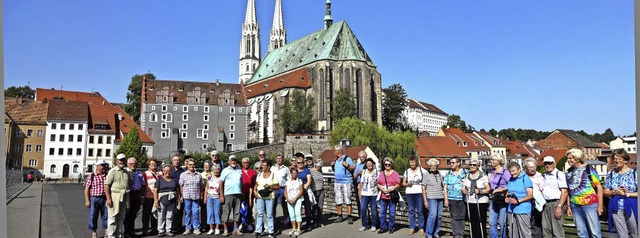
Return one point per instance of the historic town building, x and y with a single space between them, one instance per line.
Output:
25 126
319 65
67 123
424 117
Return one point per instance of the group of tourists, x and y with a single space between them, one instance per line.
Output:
238 198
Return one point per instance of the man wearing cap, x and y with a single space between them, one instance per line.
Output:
283 174
95 198
343 168
215 159
135 196
555 193
231 195
116 187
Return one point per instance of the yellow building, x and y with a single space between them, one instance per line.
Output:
25 133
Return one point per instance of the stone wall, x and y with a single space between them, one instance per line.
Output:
269 149
313 144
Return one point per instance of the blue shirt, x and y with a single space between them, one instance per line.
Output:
359 167
303 175
454 185
232 179
518 186
138 180
627 180
342 174
175 173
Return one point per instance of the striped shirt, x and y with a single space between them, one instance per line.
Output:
191 184
318 180
95 184
435 187
150 177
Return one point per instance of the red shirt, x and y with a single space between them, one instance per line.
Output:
95 182
150 179
248 180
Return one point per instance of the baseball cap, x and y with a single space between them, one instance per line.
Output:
102 162
548 159
233 157
121 156
309 156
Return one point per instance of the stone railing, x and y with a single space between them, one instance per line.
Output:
13 177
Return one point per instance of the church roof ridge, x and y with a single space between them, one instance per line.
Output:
338 42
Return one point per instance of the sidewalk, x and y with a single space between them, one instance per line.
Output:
23 213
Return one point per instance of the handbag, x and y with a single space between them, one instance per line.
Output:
264 192
499 197
394 195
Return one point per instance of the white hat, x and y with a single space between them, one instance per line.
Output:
548 159
102 162
213 152
308 156
121 156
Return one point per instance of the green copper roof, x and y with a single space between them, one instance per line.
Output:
335 43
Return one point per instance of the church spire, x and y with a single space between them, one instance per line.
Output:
278 36
249 44
328 20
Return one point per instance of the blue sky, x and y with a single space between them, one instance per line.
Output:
524 64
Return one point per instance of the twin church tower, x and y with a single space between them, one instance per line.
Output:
250 43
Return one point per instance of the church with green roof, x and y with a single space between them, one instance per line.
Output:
319 65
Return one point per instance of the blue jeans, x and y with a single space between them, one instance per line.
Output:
368 202
497 213
586 219
262 205
384 204
191 214
435 217
213 211
415 203
98 207
279 199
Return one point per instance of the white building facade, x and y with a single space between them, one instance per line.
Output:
65 149
628 143
424 117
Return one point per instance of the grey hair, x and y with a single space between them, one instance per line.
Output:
245 159
513 165
576 153
498 157
530 160
132 159
362 152
387 159
476 161
167 165
216 166
319 163
339 148
433 160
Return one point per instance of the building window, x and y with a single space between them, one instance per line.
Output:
28 148
205 118
205 127
220 109
206 109
63 126
79 138
75 168
229 147
239 109
33 163
72 126
52 151
164 134
80 126
29 133
153 108
99 153
204 146
185 126
78 151
185 117
199 133
169 117
91 139
40 132
163 126
52 169
184 135
150 132
71 137
232 128
232 110
232 119
107 153
54 125
153 117
99 139
53 137
175 108
61 138
90 153
69 151
185 109
60 151
38 148
195 109
232 136
205 136
164 107
108 139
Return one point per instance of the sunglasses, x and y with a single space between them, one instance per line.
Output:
473 165
261 155
300 162
548 163
191 164
387 164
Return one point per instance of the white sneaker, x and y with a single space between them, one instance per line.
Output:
217 232
373 229
291 232
362 228
210 232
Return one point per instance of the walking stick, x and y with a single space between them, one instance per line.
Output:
469 215
478 208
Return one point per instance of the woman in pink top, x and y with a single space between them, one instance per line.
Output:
150 176
388 182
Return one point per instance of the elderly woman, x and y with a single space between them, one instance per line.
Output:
166 194
318 192
212 200
498 208
415 192
266 183
388 182
435 198
368 194
622 187
530 165
304 174
453 198
519 197
585 194
476 188
206 174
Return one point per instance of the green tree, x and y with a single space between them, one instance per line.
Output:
343 106
561 162
134 96
393 103
607 136
493 132
455 121
297 116
21 91
131 146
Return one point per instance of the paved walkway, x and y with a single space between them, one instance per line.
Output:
25 207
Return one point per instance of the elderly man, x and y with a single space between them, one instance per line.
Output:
231 195
191 184
530 166
343 168
135 196
116 188
215 159
179 211
554 191
261 157
357 174
283 174
95 198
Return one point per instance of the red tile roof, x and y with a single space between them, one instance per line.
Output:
603 145
557 154
100 110
473 142
327 156
67 110
25 111
518 147
294 79
438 146
181 90
413 103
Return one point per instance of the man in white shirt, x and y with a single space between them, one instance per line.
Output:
555 193
283 174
